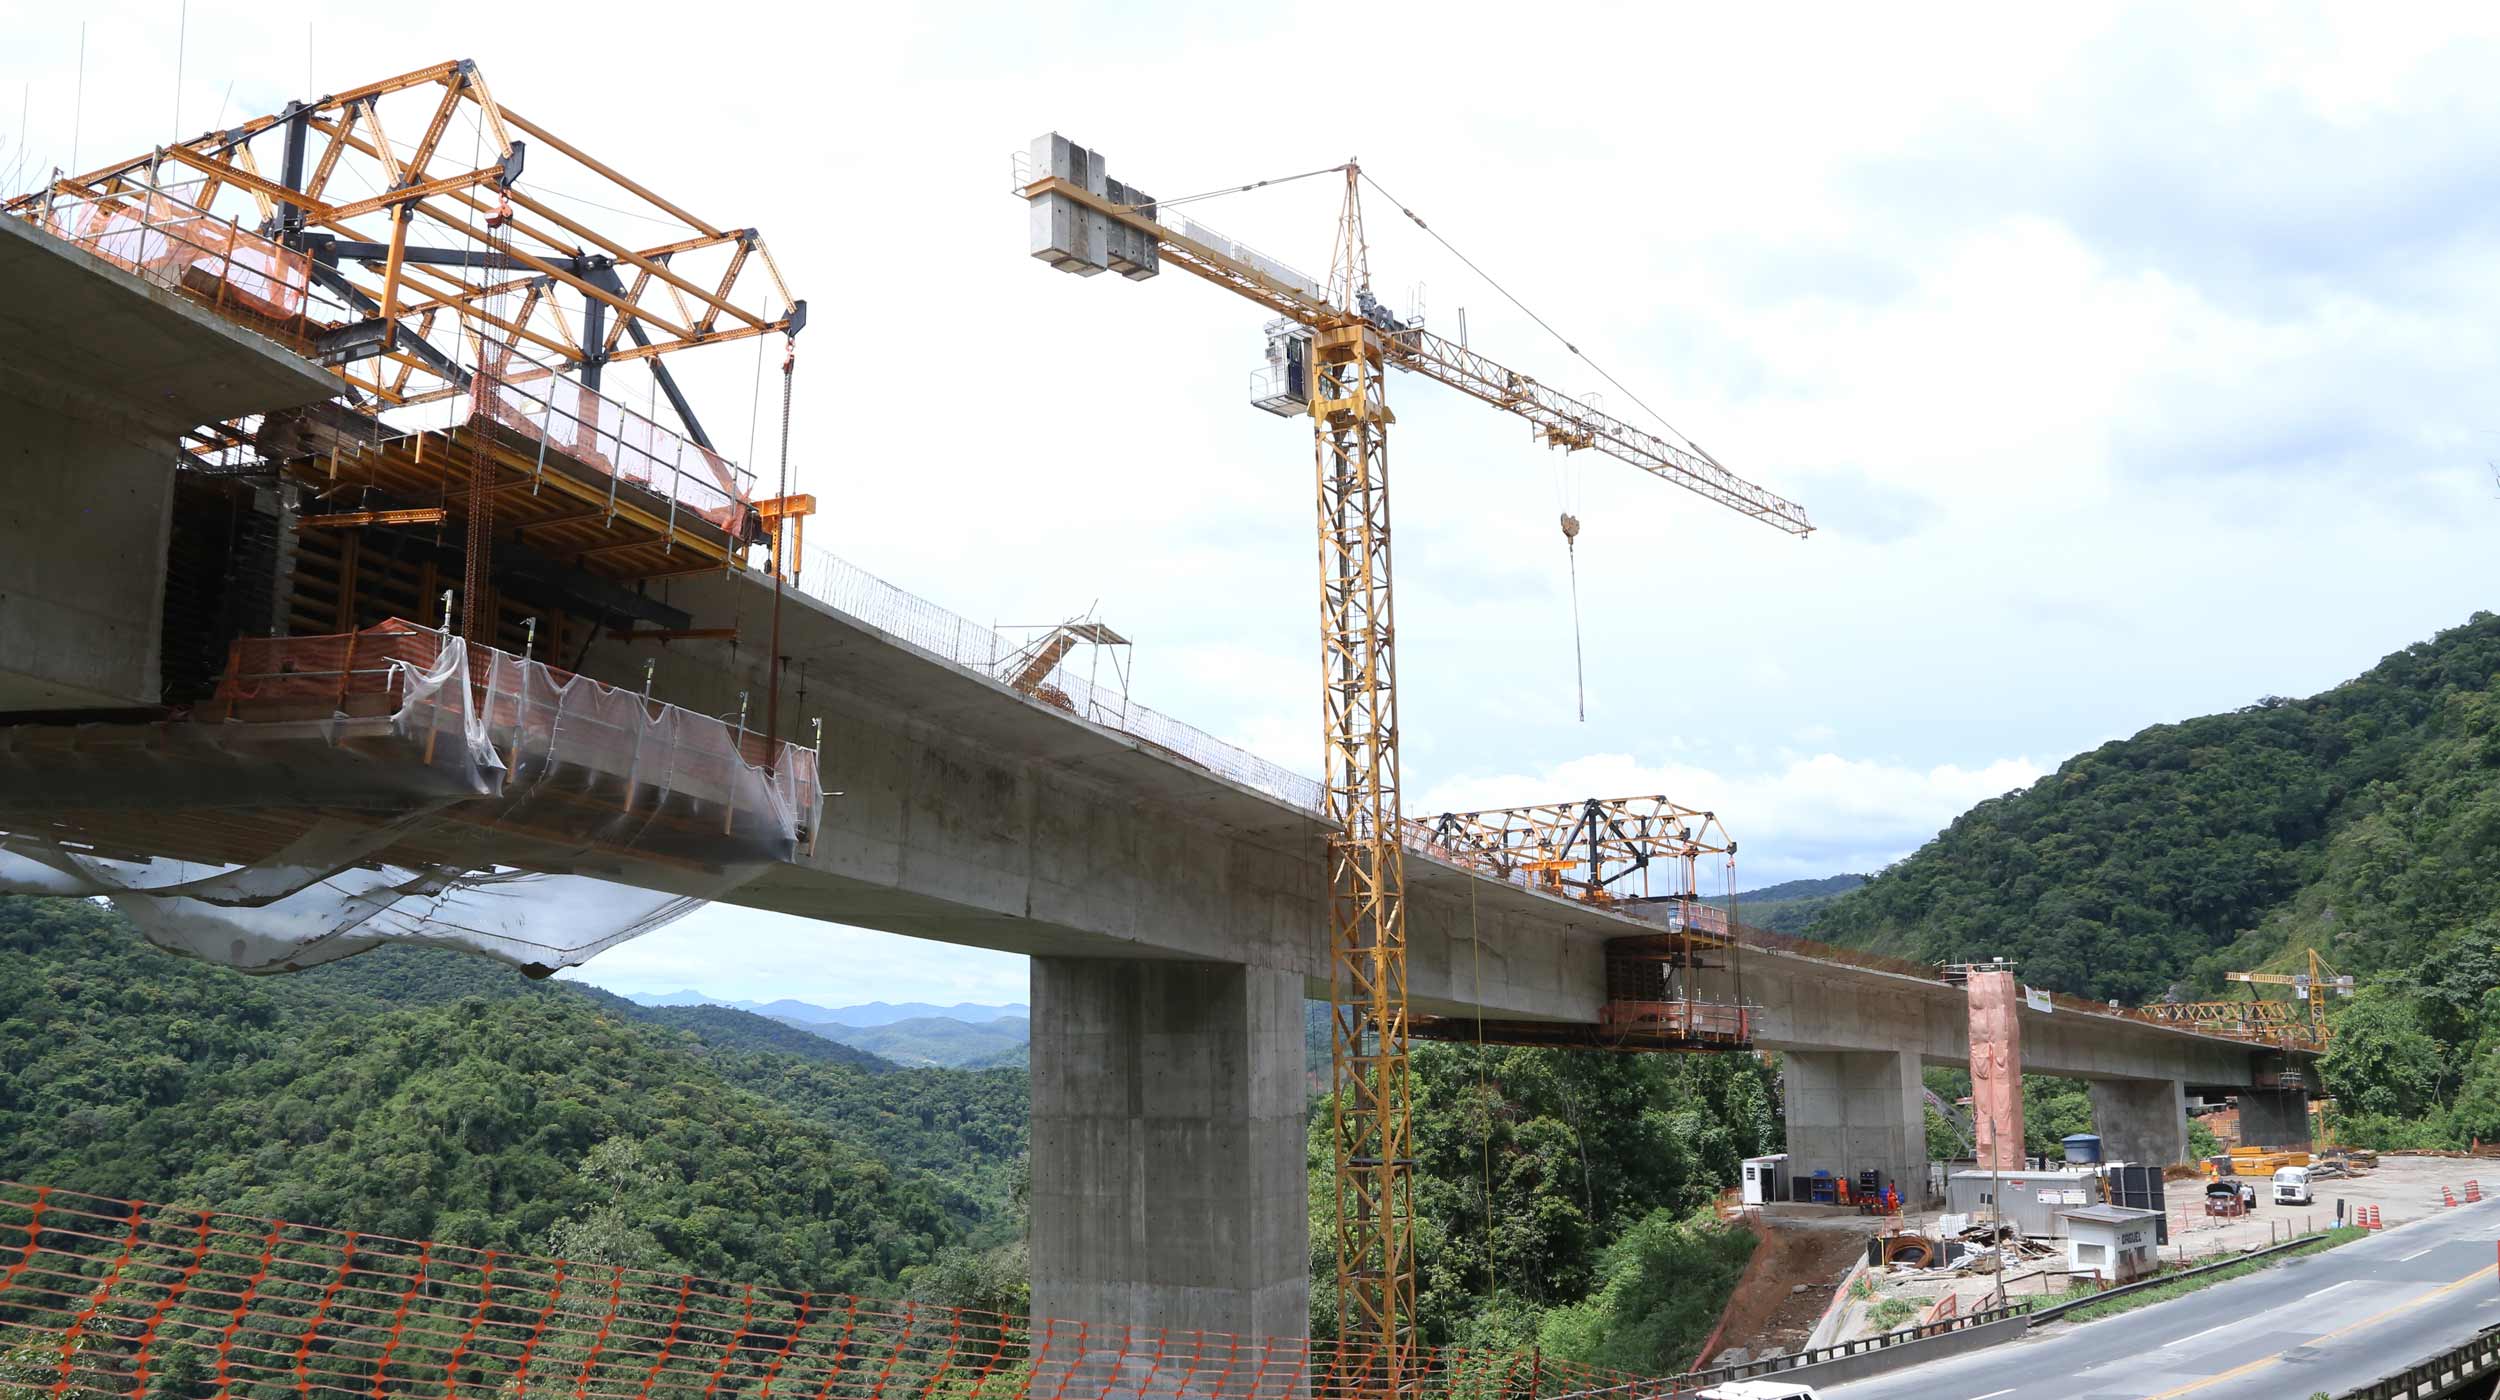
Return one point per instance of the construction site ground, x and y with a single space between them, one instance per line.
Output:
1789 1285
1814 1249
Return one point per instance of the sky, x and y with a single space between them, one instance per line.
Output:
2134 363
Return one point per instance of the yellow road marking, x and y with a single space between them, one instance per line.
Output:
2264 1361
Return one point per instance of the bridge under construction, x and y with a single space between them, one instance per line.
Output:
353 602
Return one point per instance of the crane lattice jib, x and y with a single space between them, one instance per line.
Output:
1565 421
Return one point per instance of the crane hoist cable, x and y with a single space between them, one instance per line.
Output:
1484 1103
1571 553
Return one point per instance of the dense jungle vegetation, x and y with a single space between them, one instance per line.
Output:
428 1094
2363 822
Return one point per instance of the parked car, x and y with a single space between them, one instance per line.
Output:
2291 1187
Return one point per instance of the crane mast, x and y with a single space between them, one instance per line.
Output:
1371 1091
1085 223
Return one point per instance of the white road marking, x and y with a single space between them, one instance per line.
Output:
2409 1258
2183 1341
2333 1286
1993 1394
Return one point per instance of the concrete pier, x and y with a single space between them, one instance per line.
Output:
2274 1117
1851 1111
1169 1185
2141 1120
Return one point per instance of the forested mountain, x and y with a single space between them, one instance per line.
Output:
1791 905
421 1093
2364 821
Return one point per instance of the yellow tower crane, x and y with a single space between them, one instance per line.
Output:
2309 988
1328 354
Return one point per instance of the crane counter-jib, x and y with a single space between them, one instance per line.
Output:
1563 420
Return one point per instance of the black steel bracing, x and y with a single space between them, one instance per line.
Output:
291 168
337 250
604 277
594 341
409 341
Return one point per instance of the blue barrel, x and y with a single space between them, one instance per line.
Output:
2082 1148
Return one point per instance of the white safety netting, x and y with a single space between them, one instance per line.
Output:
632 814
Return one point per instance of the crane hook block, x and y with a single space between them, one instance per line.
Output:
1570 526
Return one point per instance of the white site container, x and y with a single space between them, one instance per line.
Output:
1766 1179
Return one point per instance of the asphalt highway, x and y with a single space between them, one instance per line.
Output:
2326 1322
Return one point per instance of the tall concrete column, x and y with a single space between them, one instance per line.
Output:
1168 1178
2274 1117
1849 1111
2141 1120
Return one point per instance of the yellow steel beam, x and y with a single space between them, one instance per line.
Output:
559 143
421 515
423 155
409 194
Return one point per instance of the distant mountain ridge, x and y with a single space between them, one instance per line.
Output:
1791 905
939 1041
1802 889
967 1035
863 1016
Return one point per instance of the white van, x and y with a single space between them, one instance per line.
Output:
2291 1187
1758 1390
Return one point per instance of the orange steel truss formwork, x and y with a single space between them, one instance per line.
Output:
399 233
1636 855
114 1298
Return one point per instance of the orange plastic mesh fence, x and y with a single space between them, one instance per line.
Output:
150 1301
331 667
167 241
610 740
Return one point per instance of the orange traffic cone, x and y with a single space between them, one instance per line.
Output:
2447 1197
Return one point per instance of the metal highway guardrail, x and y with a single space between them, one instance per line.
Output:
2477 1360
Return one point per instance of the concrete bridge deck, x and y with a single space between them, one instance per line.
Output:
1175 917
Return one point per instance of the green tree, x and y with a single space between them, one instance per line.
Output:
1664 1283
2382 1062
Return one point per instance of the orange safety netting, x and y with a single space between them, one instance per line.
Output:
409 786
168 241
106 1297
